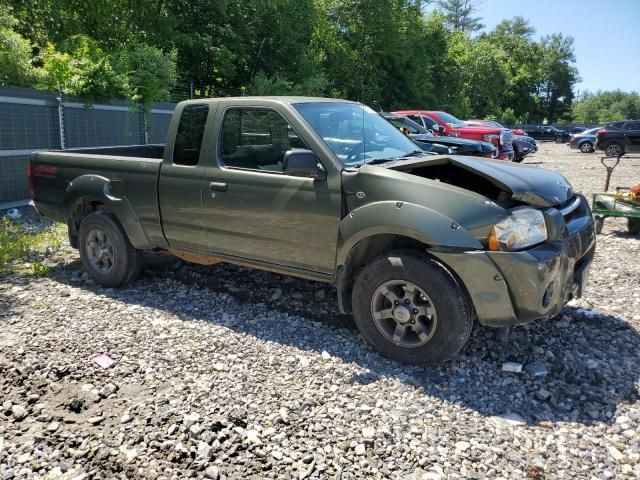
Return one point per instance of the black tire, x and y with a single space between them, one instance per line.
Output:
558 139
633 226
454 310
126 261
598 224
586 147
614 149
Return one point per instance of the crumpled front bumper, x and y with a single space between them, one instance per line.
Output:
513 288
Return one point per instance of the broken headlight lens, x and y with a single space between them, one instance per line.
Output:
524 228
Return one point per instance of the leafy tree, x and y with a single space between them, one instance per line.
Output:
460 15
558 77
607 106
82 69
15 53
521 62
149 74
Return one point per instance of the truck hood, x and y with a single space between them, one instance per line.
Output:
533 186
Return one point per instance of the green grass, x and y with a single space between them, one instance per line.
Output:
22 249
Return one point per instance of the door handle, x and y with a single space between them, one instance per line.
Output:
219 186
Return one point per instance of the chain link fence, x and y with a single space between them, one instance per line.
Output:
37 120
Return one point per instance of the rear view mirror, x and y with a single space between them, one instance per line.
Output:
438 129
302 163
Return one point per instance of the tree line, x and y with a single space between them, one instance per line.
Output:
389 54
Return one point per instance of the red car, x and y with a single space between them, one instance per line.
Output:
443 123
493 123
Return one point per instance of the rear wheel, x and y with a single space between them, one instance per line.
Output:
586 147
105 250
614 149
633 225
411 309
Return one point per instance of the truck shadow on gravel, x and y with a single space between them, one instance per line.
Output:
579 367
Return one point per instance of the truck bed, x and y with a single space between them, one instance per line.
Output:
125 176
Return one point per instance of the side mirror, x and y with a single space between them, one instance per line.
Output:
302 163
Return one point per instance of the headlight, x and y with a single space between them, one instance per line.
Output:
524 228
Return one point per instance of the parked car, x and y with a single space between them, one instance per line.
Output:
430 143
418 246
493 123
523 145
445 124
584 141
618 138
576 130
546 132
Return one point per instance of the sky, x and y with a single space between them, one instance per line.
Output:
606 35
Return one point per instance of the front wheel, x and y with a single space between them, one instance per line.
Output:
411 309
586 147
105 250
633 226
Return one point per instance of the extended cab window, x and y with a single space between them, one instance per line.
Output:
257 139
186 150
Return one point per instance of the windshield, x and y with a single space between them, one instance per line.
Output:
591 131
450 120
355 133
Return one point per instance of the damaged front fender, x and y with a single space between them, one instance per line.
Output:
401 218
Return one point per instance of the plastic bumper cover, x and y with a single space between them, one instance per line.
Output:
513 288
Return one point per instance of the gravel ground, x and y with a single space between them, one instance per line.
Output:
224 372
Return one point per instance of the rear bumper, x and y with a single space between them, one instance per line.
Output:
513 288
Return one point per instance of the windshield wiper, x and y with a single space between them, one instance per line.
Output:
378 161
415 153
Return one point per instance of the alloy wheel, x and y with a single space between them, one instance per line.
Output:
403 313
100 250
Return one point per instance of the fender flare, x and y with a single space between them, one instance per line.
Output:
98 188
400 218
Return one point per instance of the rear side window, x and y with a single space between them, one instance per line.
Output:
632 126
615 125
186 150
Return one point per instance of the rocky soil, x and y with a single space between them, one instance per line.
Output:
225 372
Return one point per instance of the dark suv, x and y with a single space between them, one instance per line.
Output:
546 132
618 138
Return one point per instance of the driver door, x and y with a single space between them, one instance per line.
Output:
253 210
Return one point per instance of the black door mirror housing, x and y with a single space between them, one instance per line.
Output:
302 163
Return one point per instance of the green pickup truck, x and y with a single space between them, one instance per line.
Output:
418 246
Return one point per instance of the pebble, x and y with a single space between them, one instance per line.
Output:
19 412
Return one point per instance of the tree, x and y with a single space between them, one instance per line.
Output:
558 76
607 106
82 69
149 74
15 53
459 15
521 60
